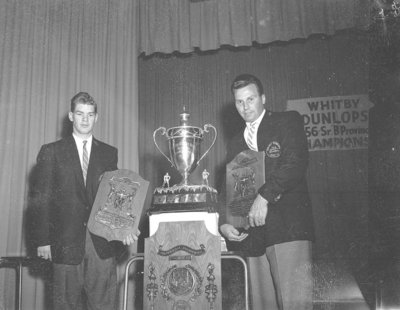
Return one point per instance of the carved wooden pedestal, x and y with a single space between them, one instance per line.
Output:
182 268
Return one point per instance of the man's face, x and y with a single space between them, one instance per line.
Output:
249 103
83 119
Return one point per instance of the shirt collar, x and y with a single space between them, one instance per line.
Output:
79 140
257 122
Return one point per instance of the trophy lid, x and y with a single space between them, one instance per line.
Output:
184 130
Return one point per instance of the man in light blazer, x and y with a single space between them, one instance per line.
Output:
278 241
68 175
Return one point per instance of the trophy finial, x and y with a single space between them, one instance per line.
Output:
184 117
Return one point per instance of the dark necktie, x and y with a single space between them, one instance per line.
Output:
85 161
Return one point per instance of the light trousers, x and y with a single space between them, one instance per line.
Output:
282 278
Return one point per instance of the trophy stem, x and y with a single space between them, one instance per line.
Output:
185 180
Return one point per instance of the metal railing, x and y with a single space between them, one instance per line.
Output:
17 263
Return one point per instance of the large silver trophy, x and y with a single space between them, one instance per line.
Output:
184 143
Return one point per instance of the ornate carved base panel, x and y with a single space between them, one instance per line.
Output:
182 268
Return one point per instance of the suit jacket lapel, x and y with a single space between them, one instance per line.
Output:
72 153
264 130
93 160
92 178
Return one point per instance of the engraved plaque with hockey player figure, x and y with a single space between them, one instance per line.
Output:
118 205
245 174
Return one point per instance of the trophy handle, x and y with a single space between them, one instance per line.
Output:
164 131
206 126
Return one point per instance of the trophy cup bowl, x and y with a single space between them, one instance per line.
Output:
184 146
184 149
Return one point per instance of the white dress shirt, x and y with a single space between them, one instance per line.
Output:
79 146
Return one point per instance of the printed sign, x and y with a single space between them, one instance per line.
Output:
334 123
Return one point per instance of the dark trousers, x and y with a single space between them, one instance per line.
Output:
94 277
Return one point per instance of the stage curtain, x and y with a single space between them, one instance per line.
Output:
49 51
183 25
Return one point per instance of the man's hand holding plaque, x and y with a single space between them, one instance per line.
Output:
131 238
258 212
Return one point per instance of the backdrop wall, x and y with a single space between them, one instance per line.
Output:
317 67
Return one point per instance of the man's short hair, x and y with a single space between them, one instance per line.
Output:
84 98
242 80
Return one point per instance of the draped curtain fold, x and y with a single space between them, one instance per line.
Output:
183 25
49 51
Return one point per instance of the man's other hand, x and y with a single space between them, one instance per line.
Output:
44 252
231 233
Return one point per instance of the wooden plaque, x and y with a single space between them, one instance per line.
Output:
245 174
182 268
118 205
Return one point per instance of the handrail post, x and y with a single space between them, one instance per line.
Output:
136 257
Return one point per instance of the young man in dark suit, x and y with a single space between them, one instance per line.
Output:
68 176
278 242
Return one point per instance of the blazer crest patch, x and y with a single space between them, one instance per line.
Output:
273 150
